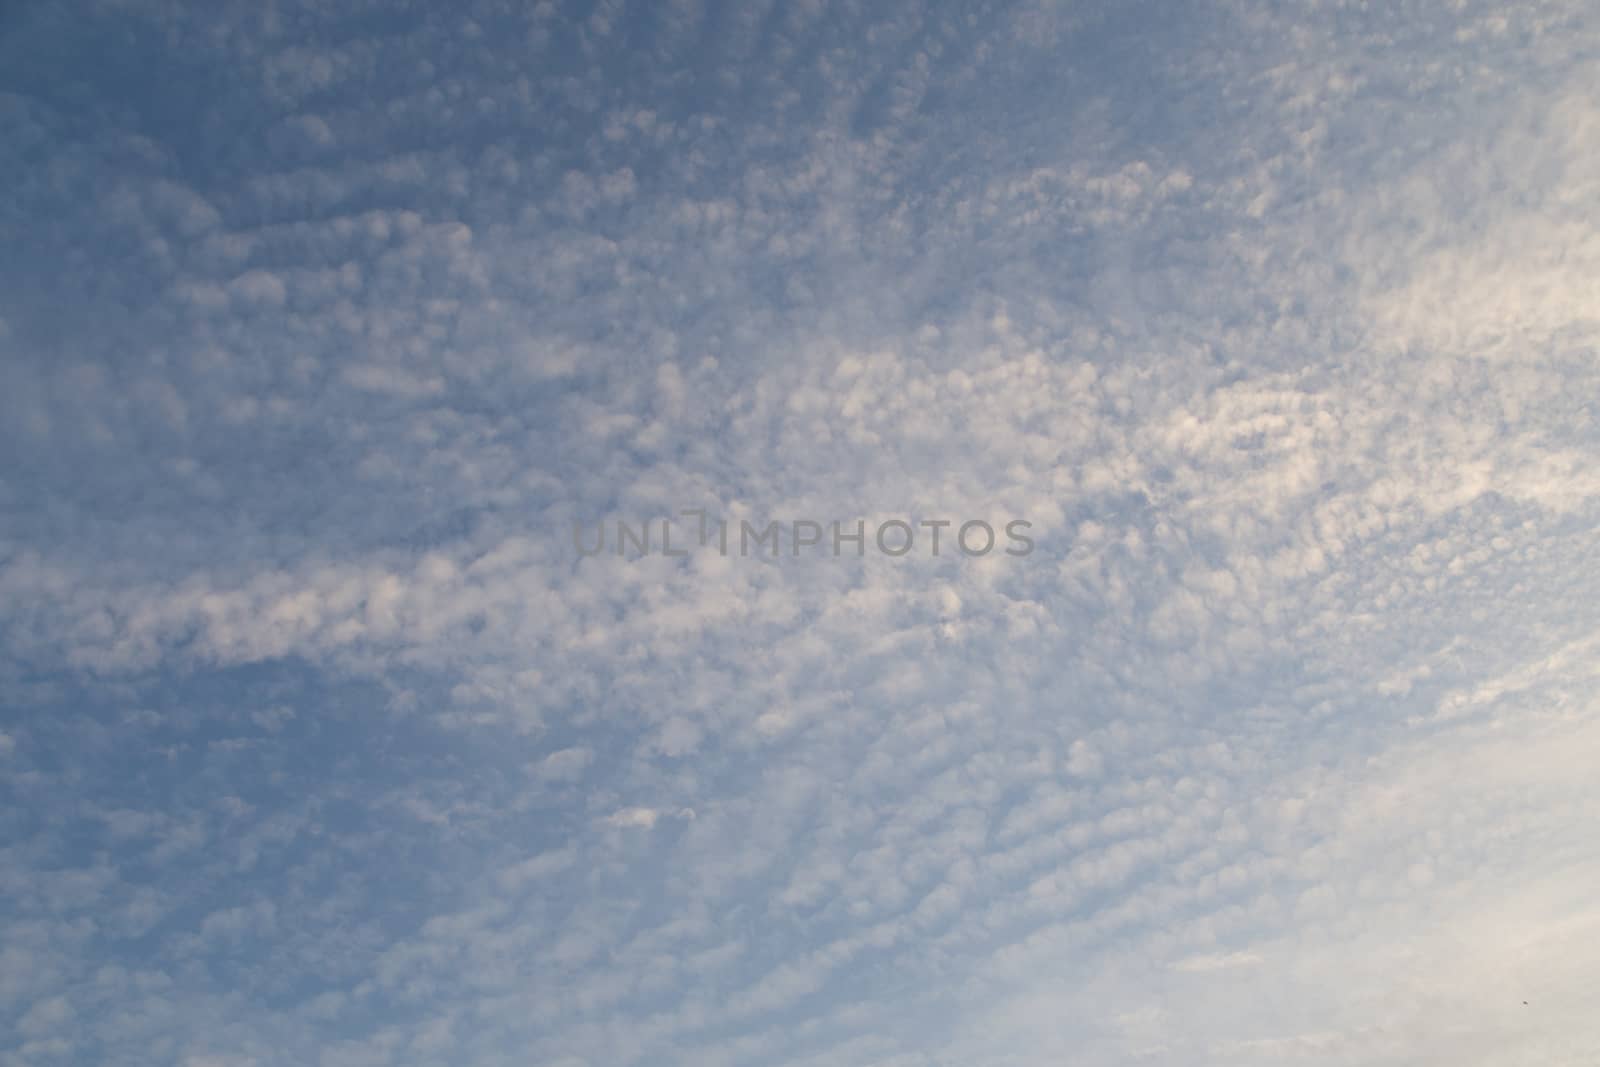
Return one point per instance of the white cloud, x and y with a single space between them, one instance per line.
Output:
334 751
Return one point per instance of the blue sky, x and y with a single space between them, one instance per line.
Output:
321 324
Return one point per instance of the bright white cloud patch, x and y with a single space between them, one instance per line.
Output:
324 745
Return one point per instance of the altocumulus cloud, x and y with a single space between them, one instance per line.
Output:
322 324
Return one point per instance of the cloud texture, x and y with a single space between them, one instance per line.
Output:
322 323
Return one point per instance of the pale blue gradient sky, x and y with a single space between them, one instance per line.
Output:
321 323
